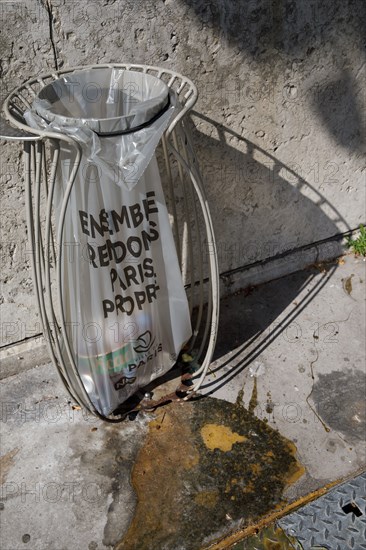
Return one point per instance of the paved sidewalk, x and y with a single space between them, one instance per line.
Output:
283 418
293 352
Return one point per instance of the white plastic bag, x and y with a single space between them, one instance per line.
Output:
123 295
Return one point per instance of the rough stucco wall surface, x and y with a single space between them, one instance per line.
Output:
280 125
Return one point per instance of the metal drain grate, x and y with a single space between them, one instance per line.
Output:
336 521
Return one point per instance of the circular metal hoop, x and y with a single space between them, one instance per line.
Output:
191 223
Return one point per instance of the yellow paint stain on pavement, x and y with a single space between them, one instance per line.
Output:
217 436
296 470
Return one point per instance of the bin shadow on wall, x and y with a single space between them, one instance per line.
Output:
292 27
257 190
278 33
273 198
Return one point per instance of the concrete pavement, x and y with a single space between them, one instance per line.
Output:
283 417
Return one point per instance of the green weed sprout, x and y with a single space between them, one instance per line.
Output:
358 245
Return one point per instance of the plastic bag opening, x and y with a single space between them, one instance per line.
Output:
108 101
117 116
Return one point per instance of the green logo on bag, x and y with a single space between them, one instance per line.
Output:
128 358
112 362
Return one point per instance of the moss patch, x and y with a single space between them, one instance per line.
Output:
207 468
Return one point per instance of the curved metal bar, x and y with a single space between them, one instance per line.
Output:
10 133
84 398
48 291
31 241
190 97
197 183
172 198
187 232
193 282
181 129
188 144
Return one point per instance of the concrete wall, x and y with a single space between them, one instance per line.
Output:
280 125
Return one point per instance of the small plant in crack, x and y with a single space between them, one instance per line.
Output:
358 245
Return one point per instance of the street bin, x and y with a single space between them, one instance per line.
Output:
124 259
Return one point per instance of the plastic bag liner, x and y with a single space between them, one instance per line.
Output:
123 297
